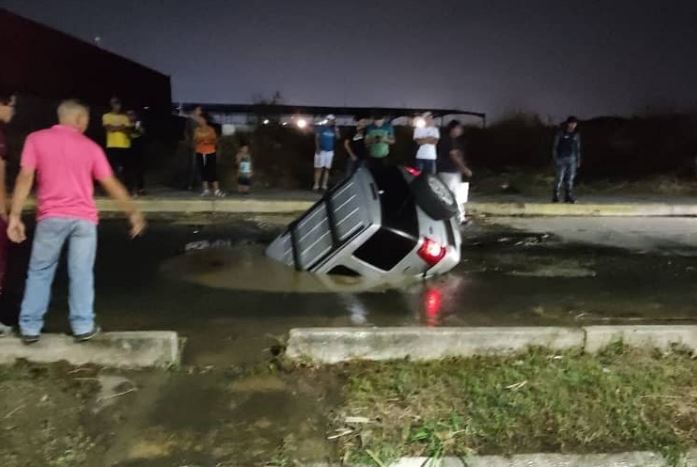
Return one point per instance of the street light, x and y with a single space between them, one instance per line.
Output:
301 123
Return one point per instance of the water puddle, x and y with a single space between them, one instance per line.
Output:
245 267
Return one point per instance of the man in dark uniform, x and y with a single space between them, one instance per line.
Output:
566 154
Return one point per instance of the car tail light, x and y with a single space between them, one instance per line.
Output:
413 171
432 252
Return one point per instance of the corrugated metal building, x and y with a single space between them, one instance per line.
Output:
42 62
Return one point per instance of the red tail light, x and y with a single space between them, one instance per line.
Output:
432 252
413 170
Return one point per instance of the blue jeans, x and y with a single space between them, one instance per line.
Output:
566 174
426 165
49 238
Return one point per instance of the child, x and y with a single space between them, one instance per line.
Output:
244 174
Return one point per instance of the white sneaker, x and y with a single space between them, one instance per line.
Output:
5 331
205 193
315 187
219 194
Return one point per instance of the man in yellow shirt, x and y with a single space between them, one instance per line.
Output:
118 135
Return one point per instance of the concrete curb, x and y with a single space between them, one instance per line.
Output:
627 459
133 349
490 209
581 210
230 206
334 345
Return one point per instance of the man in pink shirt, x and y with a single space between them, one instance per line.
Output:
66 164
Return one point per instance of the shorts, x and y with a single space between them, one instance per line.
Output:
208 166
459 188
323 159
117 158
244 180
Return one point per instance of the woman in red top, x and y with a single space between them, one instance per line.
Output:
206 142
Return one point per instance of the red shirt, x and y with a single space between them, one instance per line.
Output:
67 163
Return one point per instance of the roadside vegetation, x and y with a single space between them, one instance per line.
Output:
619 400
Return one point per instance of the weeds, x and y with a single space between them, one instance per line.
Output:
617 400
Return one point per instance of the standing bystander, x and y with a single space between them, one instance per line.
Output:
7 110
118 138
325 139
206 142
426 135
452 165
566 154
379 136
244 170
194 120
65 164
355 145
135 163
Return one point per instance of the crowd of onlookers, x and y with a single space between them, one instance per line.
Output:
442 154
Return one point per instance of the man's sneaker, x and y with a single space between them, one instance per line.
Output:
205 193
315 188
88 335
28 339
219 194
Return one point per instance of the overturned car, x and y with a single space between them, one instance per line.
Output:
386 224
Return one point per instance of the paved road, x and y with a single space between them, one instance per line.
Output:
674 235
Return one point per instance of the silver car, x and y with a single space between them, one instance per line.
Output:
385 224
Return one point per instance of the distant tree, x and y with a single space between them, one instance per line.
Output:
263 111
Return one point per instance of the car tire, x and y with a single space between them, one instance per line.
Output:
434 197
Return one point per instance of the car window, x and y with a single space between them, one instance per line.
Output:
385 249
397 202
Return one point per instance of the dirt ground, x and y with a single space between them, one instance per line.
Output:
60 416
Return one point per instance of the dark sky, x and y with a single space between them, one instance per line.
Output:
554 57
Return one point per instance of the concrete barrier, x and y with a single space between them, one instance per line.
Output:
133 349
332 345
512 209
627 459
633 459
288 204
186 206
644 336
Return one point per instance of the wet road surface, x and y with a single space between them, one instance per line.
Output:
206 279
210 282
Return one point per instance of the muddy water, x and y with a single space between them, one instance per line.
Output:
241 266
233 305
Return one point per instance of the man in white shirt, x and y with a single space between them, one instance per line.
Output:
426 135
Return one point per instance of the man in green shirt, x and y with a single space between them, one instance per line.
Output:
379 137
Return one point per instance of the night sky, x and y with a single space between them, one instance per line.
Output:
553 57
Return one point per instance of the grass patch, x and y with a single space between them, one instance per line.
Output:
618 400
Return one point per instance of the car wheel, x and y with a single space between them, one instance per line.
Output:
434 197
